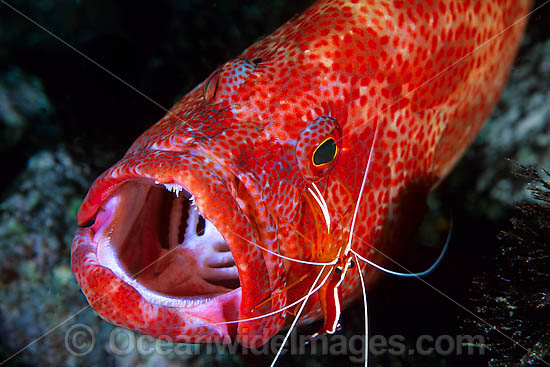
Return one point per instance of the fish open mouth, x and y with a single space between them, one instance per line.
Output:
171 251
154 238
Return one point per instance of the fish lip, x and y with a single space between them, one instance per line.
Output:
109 295
130 169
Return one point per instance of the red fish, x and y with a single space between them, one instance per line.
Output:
319 142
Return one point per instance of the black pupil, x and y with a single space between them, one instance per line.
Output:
325 152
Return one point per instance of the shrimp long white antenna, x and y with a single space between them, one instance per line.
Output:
286 257
319 198
410 274
366 310
312 291
322 203
367 168
296 260
303 305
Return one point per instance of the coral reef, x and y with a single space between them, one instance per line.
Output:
513 300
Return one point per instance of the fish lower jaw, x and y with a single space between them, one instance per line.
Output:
153 238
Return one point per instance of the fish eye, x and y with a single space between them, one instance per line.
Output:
228 78
212 85
325 152
317 147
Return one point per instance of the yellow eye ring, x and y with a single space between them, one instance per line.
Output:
325 152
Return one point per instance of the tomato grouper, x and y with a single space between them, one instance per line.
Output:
318 143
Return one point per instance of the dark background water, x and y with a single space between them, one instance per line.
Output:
64 120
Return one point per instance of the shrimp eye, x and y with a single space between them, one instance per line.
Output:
325 152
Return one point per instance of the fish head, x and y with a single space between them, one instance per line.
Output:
179 238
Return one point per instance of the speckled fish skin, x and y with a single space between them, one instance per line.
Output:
241 144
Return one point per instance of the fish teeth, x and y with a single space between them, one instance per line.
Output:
175 188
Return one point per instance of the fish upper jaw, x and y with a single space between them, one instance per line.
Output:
147 263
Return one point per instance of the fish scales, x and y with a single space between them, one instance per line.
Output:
405 83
